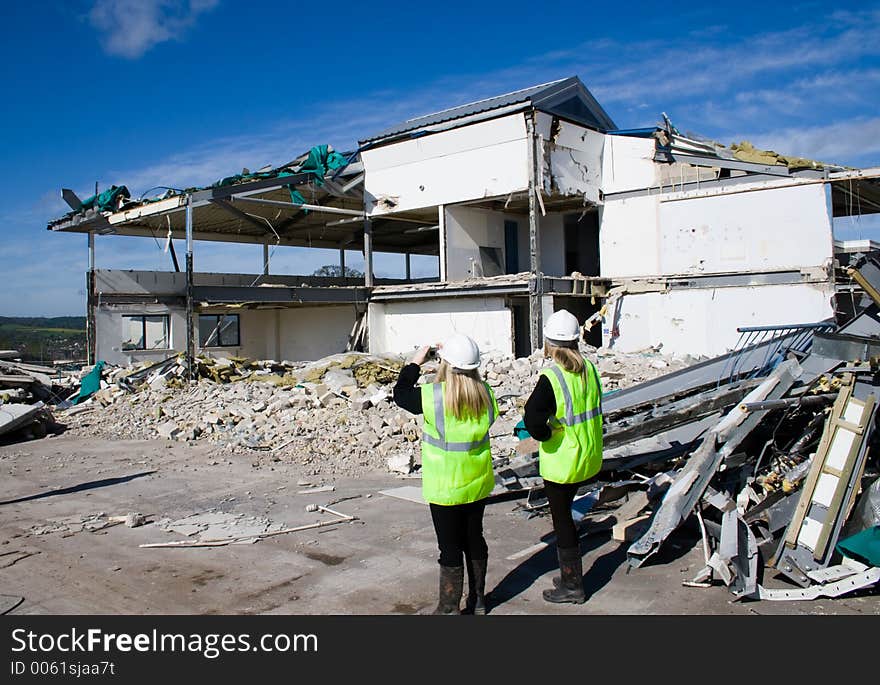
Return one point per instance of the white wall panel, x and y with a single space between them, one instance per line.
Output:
704 321
628 238
628 164
484 159
766 230
401 327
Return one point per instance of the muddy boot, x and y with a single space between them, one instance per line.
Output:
451 586
476 599
571 586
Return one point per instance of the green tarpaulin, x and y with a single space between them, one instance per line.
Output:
108 200
320 160
90 384
864 546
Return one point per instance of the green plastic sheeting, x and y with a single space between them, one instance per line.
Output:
238 178
296 197
90 384
107 200
320 160
864 546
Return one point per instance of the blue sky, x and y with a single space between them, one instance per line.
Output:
182 92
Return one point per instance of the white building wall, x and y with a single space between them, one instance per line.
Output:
401 327
628 164
629 238
484 159
765 230
309 333
703 321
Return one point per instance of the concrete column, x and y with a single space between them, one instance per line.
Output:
368 253
91 335
536 281
190 326
441 221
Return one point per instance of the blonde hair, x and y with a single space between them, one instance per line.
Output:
568 358
465 395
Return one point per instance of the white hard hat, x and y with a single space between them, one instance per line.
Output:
460 352
562 326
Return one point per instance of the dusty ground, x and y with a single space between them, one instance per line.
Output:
385 563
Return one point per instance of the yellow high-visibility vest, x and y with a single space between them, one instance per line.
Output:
456 459
574 451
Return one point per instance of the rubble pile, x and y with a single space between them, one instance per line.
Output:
335 415
26 393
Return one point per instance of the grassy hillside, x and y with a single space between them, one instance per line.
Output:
44 338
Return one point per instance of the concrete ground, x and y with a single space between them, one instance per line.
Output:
384 563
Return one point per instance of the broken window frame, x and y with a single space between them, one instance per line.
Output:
141 346
216 336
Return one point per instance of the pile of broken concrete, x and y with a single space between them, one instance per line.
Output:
27 393
335 416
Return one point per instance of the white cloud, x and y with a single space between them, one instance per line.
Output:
130 28
854 139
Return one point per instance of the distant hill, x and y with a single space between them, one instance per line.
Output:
74 323
44 338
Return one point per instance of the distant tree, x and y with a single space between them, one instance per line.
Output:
334 271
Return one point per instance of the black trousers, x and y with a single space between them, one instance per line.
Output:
560 496
459 529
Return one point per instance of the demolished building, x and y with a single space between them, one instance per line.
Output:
530 201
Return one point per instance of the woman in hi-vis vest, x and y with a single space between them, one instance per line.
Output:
459 408
564 414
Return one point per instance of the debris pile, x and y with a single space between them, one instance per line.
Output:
335 416
26 393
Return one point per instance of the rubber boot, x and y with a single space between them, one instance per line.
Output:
571 587
476 599
451 586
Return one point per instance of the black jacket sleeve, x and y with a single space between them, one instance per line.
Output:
540 406
407 394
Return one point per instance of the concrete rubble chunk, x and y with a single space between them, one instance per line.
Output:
400 463
169 430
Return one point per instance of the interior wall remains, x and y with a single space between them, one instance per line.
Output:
571 158
403 326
